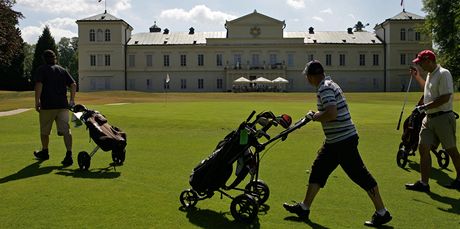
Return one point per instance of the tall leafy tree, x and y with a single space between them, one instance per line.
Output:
10 36
68 56
443 22
45 41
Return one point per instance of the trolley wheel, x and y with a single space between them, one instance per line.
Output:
443 158
118 156
259 190
188 198
84 160
401 158
244 208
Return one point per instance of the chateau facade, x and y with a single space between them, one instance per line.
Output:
253 46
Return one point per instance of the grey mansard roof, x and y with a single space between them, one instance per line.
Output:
199 38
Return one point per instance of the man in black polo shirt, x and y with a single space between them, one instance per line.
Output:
439 125
51 83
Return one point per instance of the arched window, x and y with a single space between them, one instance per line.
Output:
92 35
107 35
100 35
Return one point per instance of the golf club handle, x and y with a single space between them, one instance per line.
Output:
250 116
399 122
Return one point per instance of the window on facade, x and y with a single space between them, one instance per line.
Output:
255 60
402 59
410 34
131 60
200 83
237 60
183 84
417 36
220 83
148 84
107 60
166 85
92 35
310 57
403 34
166 60
183 60
273 58
328 59
219 59
342 59
100 59
290 60
375 60
200 59
149 60
362 59
92 60
100 35
107 35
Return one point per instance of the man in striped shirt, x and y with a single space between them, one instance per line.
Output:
340 147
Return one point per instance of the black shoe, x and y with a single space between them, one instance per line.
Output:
418 186
67 159
42 155
378 220
454 185
297 209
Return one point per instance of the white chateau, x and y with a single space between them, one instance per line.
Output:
253 46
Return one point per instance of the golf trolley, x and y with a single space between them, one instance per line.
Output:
106 137
241 146
410 137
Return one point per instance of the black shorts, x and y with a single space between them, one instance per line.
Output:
344 153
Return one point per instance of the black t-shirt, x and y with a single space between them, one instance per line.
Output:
55 80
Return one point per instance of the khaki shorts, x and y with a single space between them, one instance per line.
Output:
440 129
60 116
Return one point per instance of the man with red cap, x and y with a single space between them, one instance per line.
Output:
439 125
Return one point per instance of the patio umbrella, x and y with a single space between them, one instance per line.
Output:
241 80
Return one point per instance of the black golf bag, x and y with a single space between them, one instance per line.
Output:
106 137
241 148
410 138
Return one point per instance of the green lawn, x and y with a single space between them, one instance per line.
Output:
168 137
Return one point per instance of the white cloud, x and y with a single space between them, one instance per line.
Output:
73 7
327 11
318 18
297 4
59 27
198 14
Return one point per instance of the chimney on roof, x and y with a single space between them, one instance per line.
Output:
166 31
191 30
350 30
311 30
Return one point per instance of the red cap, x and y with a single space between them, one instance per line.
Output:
424 55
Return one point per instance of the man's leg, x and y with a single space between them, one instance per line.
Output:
45 139
312 190
425 162
68 141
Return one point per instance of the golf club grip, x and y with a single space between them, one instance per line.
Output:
399 122
250 116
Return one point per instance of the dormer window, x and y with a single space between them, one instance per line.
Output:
107 35
92 35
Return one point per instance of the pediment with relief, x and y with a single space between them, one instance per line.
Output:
255 25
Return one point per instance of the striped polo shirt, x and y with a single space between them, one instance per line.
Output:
329 93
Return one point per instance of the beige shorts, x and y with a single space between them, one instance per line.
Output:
440 129
60 116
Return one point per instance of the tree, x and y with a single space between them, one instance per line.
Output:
68 56
45 41
443 22
10 36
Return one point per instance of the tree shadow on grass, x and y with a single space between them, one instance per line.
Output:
206 218
31 170
100 173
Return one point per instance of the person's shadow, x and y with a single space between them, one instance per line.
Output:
35 169
31 170
442 179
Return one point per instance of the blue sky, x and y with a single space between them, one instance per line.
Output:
207 15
